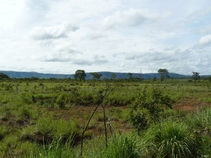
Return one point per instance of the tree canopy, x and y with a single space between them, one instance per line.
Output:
80 75
196 76
163 74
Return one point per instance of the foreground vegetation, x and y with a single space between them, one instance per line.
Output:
111 118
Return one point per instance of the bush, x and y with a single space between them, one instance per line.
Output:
146 109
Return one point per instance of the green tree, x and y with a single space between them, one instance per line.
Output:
80 75
196 76
163 74
3 76
95 75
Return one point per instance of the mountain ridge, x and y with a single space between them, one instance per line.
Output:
105 75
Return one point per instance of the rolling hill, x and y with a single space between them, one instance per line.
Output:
105 75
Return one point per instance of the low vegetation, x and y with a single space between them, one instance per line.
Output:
47 118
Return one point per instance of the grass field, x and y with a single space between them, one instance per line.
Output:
47 118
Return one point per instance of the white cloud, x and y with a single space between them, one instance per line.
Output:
112 35
131 17
205 40
52 32
93 35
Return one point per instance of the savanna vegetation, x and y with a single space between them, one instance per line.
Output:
116 118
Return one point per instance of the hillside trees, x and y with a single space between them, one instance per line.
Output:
3 76
80 75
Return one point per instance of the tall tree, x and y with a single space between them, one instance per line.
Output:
80 75
196 76
95 75
163 74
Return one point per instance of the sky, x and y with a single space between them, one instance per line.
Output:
137 36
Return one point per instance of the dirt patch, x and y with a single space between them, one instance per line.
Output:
190 104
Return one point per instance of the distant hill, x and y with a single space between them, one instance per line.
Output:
17 74
138 75
105 75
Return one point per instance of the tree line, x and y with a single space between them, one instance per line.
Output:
81 75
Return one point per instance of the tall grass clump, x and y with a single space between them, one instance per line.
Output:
200 123
169 140
119 146
201 120
122 147
46 130
53 150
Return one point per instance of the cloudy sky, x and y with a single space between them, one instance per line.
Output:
61 36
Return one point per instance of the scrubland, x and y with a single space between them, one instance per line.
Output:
47 118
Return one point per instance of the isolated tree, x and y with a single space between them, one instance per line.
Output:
163 74
196 76
95 75
80 75
3 76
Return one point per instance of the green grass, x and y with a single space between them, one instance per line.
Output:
34 120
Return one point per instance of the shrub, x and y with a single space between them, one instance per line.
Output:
146 109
